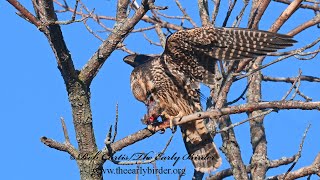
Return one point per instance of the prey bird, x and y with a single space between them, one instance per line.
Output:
169 84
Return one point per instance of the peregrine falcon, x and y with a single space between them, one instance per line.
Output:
169 84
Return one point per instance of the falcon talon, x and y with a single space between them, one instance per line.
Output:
162 131
171 124
151 128
174 129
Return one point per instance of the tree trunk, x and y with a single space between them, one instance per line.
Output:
79 96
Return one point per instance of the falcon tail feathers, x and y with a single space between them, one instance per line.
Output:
202 151
204 155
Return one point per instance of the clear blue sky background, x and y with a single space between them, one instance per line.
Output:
33 98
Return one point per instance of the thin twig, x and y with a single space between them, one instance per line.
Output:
231 6
107 141
91 31
313 55
293 85
272 164
240 97
203 12
215 10
66 146
73 17
257 11
65 131
115 124
296 87
161 35
302 172
244 121
123 48
307 98
238 19
314 21
25 13
290 80
304 6
185 14
299 152
151 41
143 29
285 15
168 16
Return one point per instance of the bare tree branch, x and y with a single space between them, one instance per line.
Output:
185 14
290 80
257 10
122 8
151 41
314 168
310 23
249 107
65 130
293 85
25 13
244 121
230 146
91 31
259 158
305 6
285 15
90 70
238 19
270 164
231 7
66 146
204 12
163 23
298 155
115 124
59 146
78 82
161 35
215 11
145 133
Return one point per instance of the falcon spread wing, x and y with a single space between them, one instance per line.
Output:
169 84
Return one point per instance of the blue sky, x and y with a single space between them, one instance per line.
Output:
33 98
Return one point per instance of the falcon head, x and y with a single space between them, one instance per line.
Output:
144 91
135 60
